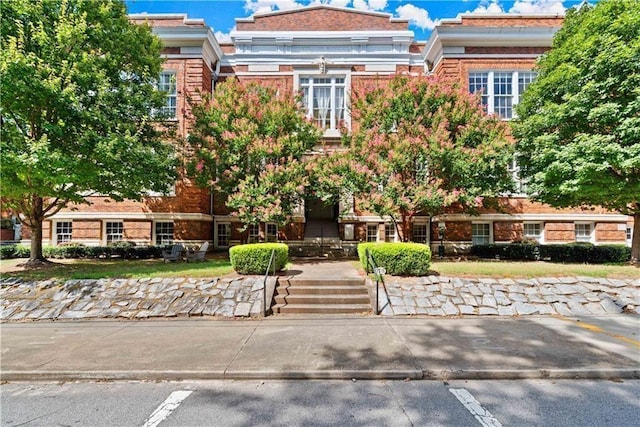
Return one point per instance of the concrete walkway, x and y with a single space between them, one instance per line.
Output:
328 347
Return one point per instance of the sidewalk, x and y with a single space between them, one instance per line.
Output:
323 347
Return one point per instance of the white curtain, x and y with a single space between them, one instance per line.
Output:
322 98
339 105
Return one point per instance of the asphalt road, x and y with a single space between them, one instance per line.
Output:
320 403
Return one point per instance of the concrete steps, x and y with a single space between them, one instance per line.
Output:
326 296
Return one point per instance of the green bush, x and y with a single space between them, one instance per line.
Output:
398 259
568 253
254 257
74 250
7 251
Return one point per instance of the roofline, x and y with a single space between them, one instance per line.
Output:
320 6
185 18
460 16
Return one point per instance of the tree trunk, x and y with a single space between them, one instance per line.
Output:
635 239
36 217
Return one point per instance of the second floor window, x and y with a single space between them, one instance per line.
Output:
324 100
167 84
501 90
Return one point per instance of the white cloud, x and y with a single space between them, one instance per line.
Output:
261 6
416 16
224 37
339 3
369 4
538 6
487 7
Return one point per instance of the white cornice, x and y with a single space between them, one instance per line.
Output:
320 6
323 35
191 36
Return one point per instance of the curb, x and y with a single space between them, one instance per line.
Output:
412 374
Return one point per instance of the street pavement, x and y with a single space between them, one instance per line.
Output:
305 347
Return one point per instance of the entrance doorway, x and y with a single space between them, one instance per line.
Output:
321 219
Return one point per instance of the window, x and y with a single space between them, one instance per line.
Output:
629 235
533 230
583 232
167 84
420 233
224 234
114 231
481 233
372 232
389 233
520 185
64 231
324 100
164 233
501 90
271 232
254 233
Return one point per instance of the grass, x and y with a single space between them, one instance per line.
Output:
98 269
527 270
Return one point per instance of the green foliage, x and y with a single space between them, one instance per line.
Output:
76 250
249 142
578 130
399 259
421 146
569 253
78 85
254 258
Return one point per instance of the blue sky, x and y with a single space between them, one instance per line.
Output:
423 15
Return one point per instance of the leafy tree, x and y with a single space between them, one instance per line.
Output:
248 143
420 146
579 127
77 83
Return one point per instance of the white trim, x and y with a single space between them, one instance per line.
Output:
629 239
156 216
541 224
54 231
592 234
373 224
549 217
490 223
103 240
394 237
154 237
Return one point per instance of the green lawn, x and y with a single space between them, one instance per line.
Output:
96 269
526 270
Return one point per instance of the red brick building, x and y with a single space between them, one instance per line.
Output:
323 51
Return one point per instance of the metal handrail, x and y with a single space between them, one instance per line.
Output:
378 273
264 282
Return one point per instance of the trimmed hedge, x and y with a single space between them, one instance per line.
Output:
125 250
254 257
398 259
569 253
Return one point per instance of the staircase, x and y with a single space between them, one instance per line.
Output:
322 296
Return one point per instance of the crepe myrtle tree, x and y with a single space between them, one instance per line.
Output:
420 146
578 132
78 84
247 144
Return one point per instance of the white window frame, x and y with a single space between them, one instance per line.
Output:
227 226
490 236
270 237
390 237
426 233
56 234
253 231
156 241
490 96
371 225
105 225
539 238
332 73
592 232
629 235
168 110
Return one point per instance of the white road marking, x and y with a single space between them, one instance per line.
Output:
167 407
483 416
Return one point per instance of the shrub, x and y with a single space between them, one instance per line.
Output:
568 253
398 259
254 258
7 251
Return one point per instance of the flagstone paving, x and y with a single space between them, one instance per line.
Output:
130 298
453 296
242 297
